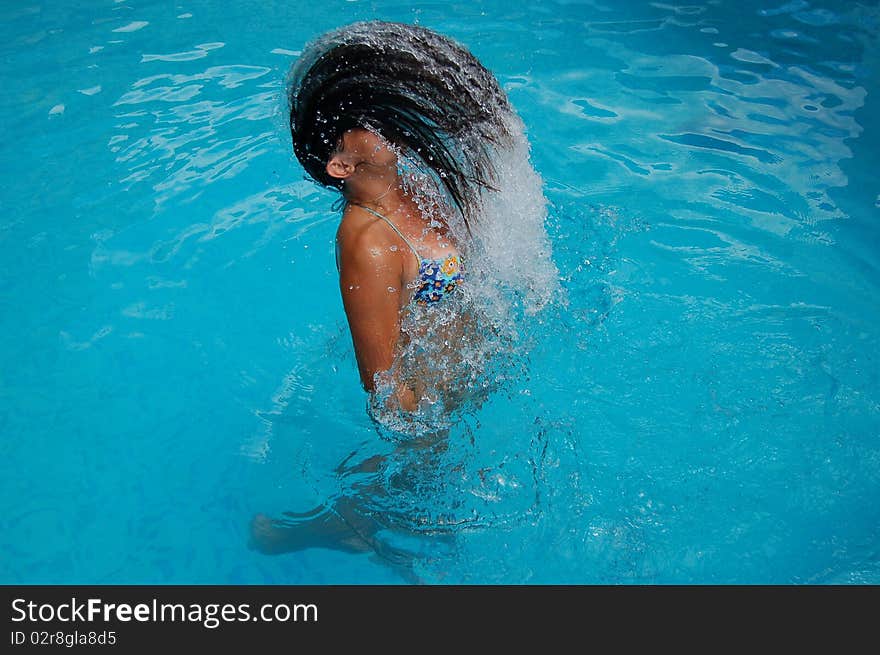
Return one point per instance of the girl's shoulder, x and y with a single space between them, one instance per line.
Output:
362 239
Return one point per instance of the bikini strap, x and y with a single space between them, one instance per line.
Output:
393 227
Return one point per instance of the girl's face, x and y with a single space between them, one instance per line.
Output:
365 148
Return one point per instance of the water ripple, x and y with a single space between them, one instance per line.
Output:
198 52
721 145
189 130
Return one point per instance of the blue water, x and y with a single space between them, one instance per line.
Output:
702 407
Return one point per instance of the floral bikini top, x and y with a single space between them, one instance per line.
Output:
437 277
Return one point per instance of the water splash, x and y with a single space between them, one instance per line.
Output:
477 340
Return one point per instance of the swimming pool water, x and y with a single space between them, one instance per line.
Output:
702 407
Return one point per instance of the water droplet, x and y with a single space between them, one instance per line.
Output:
391 289
393 248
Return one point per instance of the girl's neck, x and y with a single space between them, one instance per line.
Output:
389 200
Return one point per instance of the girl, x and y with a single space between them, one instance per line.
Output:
402 121
405 124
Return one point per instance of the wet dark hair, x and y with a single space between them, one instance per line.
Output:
420 90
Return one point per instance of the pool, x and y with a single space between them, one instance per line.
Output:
702 400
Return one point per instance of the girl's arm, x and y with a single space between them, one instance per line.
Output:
369 280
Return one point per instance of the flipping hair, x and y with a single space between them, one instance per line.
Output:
420 90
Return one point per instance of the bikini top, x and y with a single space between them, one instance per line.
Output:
437 277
